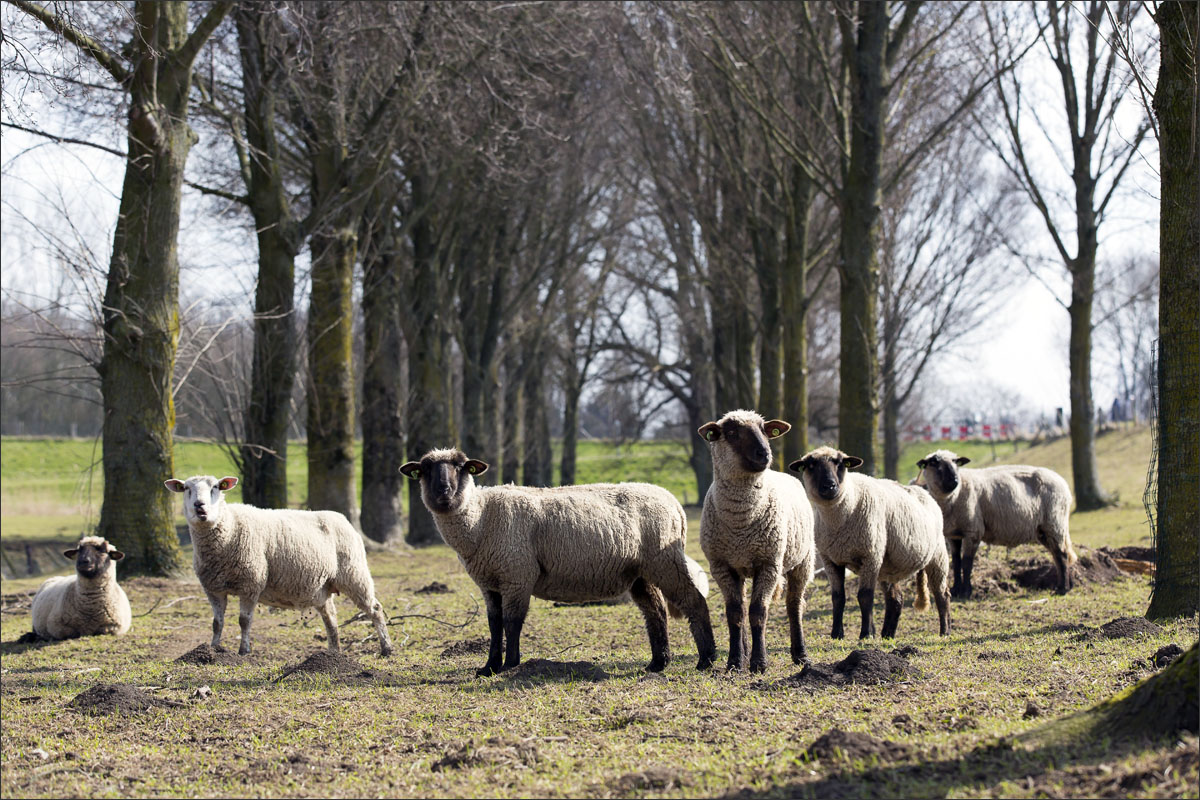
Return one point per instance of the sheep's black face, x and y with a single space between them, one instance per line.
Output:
90 561
941 472
749 443
444 477
823 475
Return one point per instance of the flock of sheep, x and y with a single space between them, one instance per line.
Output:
597 541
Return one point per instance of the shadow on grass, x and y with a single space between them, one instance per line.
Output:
25 643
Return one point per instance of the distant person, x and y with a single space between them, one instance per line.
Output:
1117 413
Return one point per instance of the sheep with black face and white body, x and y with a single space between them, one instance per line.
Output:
757 525
884 531
285 558
569 543
88 603
1002 505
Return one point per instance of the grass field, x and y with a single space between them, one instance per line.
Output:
585 720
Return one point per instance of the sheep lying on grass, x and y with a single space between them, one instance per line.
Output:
88 603
1004 505
884 531
571 543
756 524
281 557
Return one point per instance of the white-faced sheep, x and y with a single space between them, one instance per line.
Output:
570 543
756 524
88 603
1003 505
285 558
884 531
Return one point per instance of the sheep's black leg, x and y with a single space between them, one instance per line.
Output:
942 601
650 600
1060 561
765 582
837 582
956 565
866 606
795 610
495 617
968 564
892 603
515 609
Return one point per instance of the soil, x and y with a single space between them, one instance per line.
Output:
327 662
118 698
1128 627
205 654
437 587
1094 566
1132 552
467 647
556 670
495 751
1165 656
864 667
657 778
851 746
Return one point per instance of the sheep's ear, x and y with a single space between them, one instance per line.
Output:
962 460
774 428
115 555
411 470
852 462
797 465
175 485
74 551
476 467
710 431
227 483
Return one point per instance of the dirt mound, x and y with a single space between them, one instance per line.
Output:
1132 552
1128 627
466 647
462 755
556 671
437 587
1165 656
1094 566
658 778
117 698
206 655
851 746
864 667
327 662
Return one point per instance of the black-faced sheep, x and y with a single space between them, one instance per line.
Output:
756 524
88 603
285 558
570 543
884 531
1003 505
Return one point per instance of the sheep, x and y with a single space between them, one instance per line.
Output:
756 524
1004 505
285 558
88 603
571 544
883 530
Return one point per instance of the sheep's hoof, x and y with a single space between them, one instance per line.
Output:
837 633
705 662
486 671
733 666
244 650
800 658
656 666
758 666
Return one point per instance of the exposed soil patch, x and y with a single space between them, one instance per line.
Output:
117 698
1094 566
1132 552
467 647
1128 627
337 665
659 778
207 655
852 746
1165 656
437 587
556 671
866 667
463 755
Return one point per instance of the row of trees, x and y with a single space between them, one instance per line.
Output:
702 206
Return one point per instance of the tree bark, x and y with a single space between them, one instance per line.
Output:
770 341
858 424
264 450
510 450
535 470
1177 524
794 306
572 389
1088 494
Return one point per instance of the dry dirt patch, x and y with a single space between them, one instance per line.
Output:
462 755
1094 566
657 778
852 746
117 698
866 667
205 654
337 665
467 647
556 671
436 587
1126 628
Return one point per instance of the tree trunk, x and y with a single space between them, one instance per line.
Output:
330 425
858 424
1177 524
535 471
383 364
264 450
572 389
891 414
1088 494
141 300
794 307
770 343
510 451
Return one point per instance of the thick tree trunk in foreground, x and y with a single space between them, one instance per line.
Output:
1177 531
858 425
273 370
